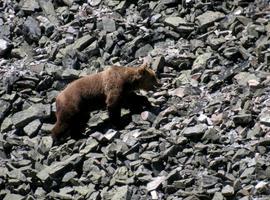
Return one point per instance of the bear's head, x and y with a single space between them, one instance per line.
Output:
147 78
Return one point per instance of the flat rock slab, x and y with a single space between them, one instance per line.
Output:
36 111
209 17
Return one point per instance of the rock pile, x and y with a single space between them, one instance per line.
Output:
208 137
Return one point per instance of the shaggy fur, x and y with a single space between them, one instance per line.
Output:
112 89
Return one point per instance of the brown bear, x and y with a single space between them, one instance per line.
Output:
112 89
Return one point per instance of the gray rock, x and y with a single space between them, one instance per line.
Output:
108 24
5 47
94 2
174 21
5 106
158 64
32 128
194 131
37 111
143 51
209 17
209 181
148 116
6 124
242 119
30 6
90 145
201 61
59 168
227 191
48 9
155 183
45 144
83 42
265 118
13 197
218 196
31 30
70 74
122 192
248 172
243 78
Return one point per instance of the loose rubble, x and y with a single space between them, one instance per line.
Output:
207 134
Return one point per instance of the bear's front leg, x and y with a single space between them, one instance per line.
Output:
113 106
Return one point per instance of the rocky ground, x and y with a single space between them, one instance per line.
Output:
208 137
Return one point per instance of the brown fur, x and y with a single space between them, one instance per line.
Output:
111 89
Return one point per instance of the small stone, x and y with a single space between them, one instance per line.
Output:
70 74
121 193
13 197
158 64
243 78
45 144
242 119
155 183
180 92
262 186
195 131
83 42
30 6
58 168
32 128
218 196
247 172
209 181
94 2
143 51
91 144
111 134
209 17
253 83
108 24
6 124
5 47
265 118
36 111
174 21
200 62
31 30
148 116
227 191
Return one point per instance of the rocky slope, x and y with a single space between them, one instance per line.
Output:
208 137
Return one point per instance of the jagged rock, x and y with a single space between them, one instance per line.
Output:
265 118
122 193
158 64
13 197
227 191
155 183
30 6
31 30
201 62
58 168
243 78
242 118
94 2
108 24
195 131
5 48
32 128
209 17
37 111
143 51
